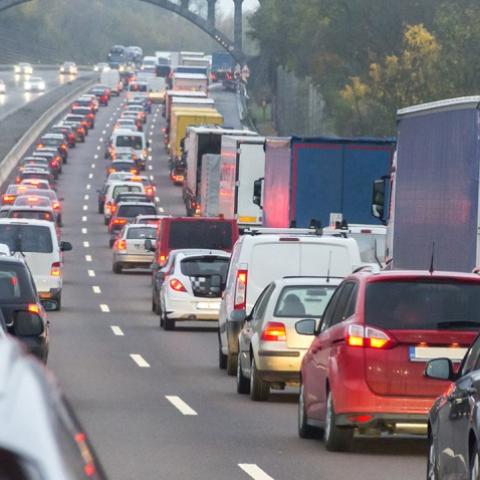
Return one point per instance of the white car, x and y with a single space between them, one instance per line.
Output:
69 68
113 189
37 241
101 67
23 69
34 84
126 124
259 259
193 286
3 88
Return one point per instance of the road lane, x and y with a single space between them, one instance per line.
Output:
126 408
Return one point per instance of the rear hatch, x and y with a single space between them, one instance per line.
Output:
130 212
136 239
207 274
425 318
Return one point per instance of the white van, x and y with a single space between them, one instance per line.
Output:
111 78
37 242
123 139
113 189
258 259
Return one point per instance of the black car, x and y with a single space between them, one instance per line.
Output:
454 419
24 316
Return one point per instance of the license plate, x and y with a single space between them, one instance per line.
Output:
208 306
423 354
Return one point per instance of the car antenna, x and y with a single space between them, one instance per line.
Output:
329 266
376 255
432 261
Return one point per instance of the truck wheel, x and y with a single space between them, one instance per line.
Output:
58 299
337 439
222 358
231 364
259 390
243 383
304 429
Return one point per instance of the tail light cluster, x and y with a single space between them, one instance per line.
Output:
119 221
120 244
56 269
241 290
8 199
368 337
274 332
177 285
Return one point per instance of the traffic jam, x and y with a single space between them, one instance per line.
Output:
320 267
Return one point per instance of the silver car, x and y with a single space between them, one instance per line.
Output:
129 248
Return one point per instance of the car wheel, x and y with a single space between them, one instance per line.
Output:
222 358
337 439
106 221
117 268
111 242
243 383
304 429
432 472
100 208
474 463
58 300
168 323
259 390
231 364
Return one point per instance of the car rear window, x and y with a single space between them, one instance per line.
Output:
141 233
132 141
422 305
124 165
212 235
26 238
125 188
303 301
205 266
14 283
51 141
131 198
131 211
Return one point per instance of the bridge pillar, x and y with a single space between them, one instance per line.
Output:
185 4
211 12
238 25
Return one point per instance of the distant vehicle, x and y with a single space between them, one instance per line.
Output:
122 139
364 371
34 84
23 68
3 88
69 68
222 63
101 67
111 78
116 56
113 189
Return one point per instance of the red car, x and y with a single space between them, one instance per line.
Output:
364 370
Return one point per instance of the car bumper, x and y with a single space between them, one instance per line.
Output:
48 287
141 260
279 365
192 309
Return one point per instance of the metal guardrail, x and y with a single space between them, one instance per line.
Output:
5 67
242 105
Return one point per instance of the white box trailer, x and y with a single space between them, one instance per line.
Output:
209 185
190 81
242 162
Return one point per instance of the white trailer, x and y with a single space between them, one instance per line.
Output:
190 81
209 185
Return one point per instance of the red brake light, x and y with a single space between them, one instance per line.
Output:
33 308
368 337
119 221
8 199
177 285
274 332
120 244
56 269
56 205
241 290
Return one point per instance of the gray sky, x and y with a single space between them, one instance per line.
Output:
227 5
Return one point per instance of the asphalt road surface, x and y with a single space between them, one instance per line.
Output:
154 403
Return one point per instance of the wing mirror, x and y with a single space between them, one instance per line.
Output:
257 192
65 246
308 326
27 324
440 369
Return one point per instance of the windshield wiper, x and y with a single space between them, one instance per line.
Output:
452 325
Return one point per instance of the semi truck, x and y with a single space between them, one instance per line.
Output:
430 200
190 81
198 142
222 62
320 179
209 185
242 162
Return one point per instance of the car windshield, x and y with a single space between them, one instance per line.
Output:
205 266
132 141
303 301
26 238
142 233
131 211
200 234
423 305
14 283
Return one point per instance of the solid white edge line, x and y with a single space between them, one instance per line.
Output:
104 308
139 360
117 331
96 289
180 405
254 471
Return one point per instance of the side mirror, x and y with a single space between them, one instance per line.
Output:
257 192
27 324
440 369
308 326
238 316
160 275
149 246
378 199
65 246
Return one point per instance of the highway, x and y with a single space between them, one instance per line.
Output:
154 403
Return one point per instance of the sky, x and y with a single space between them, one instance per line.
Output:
227 5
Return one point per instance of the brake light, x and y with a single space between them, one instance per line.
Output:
33 308
133 171
119 221
368 337
149 191
56 205
56 270
120 245
274 332
241 290
177 285
163 259
8 199
54 164
40 145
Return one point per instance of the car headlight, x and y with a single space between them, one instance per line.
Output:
28 86
17 69
41 85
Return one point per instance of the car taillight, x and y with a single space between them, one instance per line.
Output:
64 147
120 244
71 136
149 191
241 290
119 221
274 332
40 145
177 285
56 269
368 337
90 115
54 164
56 205
8 199
34 308
133 171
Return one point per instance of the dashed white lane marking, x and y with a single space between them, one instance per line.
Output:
88 258
157 199
98 148
150 149
139 360
93 165
96 289
108 124
84 231
150 158
84 219
85 207
104 132
150 167
100 140
180 405
95 156
88 186
161 210
86 244
91 273
104 308
151 178
90 175
254 471
117 331
86 196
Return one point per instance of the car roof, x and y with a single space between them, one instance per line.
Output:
390 275
195 252
143 204
25 221
307 280
34 208
125 131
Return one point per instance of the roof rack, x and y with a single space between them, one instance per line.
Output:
281 231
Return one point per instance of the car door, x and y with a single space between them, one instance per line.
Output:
326 345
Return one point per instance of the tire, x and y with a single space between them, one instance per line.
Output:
100 208
304 429
337 439
106 221
117 268
243 383
231 364
111 241
222 358
58 299
474 463
432 468
168 323
259 390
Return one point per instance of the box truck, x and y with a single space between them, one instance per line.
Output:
170 94
190 81
209 185
312 178
433 216
242 162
